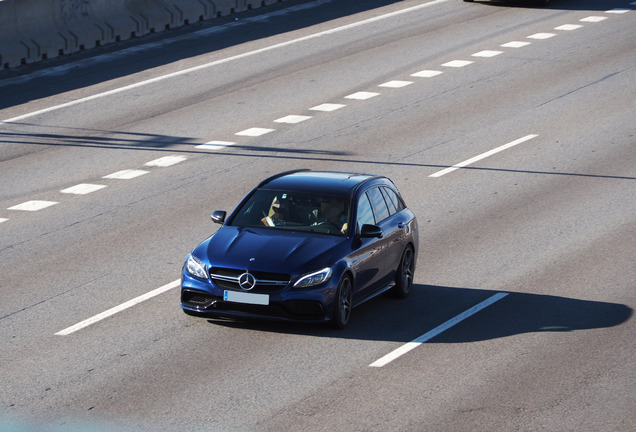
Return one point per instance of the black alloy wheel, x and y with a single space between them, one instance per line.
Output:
404 274
344 303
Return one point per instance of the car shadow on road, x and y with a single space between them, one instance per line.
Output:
389 319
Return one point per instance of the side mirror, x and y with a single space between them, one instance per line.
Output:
218 216
368 231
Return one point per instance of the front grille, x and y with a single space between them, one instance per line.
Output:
266 282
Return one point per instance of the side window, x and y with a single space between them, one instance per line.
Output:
365 215
394 198
389 202
380 209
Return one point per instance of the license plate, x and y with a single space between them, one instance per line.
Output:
246 298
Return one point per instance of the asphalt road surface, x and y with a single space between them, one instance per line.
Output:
509 129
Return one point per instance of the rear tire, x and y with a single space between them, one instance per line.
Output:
404 274
343 303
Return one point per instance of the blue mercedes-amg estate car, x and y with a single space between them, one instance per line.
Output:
304 246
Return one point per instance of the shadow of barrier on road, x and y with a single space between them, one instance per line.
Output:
389 319
121 140
14 26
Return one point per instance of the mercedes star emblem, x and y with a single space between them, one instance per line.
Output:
247 281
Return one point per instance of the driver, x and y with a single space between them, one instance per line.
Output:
332 212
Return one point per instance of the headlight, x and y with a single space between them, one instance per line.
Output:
195 267
313 278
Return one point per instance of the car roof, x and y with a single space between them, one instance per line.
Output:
334 182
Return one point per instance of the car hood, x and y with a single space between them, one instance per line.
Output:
262 249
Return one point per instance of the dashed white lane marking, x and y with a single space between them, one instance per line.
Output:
619 10
427 74
83 189
437 331
327 107
116 309
215 145
568 27
487 53
126 174
362 95
457 63
34 205
516 44
3 220
396 84
255 132
292 119
594 19
483 155
541 36
166 161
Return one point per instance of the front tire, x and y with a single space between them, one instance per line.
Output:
404 274
343 303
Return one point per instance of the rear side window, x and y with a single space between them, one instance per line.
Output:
393 201
378 204
390 203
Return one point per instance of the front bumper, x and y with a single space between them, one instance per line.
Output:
205 298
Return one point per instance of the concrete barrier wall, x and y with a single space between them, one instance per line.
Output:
34 30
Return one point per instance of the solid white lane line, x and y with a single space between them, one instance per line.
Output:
215 145
82 189
436 331
34 205
483 155
126 174
226 60
255 132
116 309
327 107
166 161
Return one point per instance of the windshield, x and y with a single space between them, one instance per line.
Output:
297 211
